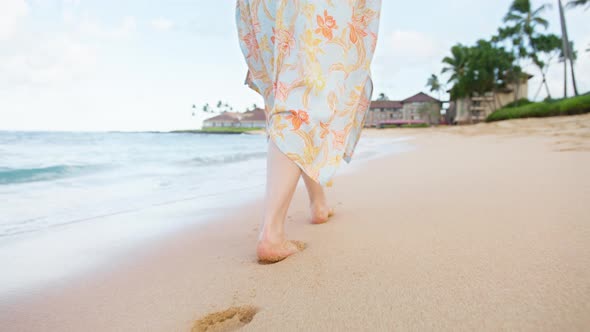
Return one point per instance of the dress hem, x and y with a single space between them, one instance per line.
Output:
252 86
347 157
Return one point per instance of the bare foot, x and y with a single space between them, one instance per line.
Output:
272 252
320 213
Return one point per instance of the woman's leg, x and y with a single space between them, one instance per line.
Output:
282 175
320 211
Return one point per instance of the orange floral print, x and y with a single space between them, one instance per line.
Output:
325 129
310 61
374 43
356 32
298 118
252 44
326 25
281 91
364 103
339 136
284 38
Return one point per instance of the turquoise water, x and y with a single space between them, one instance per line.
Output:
70 201
24 175
70 177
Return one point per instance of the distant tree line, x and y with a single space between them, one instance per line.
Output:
220 107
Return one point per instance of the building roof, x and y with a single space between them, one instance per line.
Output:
389 104
420 98
257 114
225 116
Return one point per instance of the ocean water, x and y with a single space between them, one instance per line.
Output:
69 201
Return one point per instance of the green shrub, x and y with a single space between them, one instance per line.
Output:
416 125
518 103
568 106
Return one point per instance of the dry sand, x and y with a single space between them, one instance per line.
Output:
483 227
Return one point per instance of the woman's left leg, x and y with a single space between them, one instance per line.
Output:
318 202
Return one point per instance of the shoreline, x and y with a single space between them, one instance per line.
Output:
120 232
481 227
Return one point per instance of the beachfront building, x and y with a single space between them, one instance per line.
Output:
225 119
422 108
478 107
383 110
251 119
417 109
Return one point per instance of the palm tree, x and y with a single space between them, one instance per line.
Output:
206 108
524 22
524 18
456 64
382 97
434 84
551 45
567 50
577 3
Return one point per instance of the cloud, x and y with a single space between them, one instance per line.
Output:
90 28
11 14
162 24
47 62
400 49
411 45
35 57
405 59
128 25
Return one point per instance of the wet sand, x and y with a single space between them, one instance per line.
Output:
483 227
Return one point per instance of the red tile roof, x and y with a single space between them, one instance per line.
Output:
255 115
420 98
225 116
387 104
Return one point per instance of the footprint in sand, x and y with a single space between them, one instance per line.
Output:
228 320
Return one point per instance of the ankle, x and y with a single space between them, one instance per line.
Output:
271 234
316 203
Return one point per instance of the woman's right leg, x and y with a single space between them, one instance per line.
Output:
282 175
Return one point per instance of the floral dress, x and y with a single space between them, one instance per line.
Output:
310 60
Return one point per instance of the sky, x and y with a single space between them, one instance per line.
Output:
134 65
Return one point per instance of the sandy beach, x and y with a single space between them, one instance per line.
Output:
483 227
